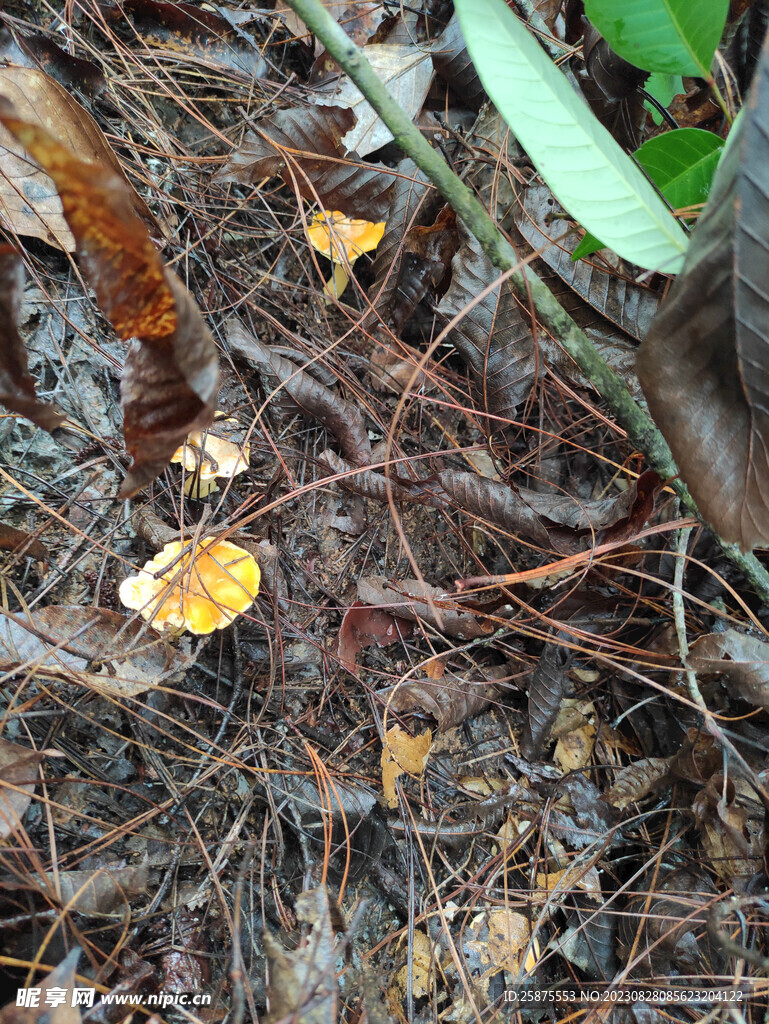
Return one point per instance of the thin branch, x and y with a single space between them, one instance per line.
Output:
641 431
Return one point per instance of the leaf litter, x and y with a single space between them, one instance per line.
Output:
513 778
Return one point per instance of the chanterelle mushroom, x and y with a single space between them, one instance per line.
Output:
342 240
200 592
208 454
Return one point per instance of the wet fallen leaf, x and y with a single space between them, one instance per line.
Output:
18 774
743 659
452 63
101 891
575 733
304 145
171 375
421 973
12 539
499 936
405 69
637 780
29 202
364 626
50 1008
402 753
410 599
451 698
17 388
94 646
545 695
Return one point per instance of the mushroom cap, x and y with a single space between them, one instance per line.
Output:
207 454
200 593
331 233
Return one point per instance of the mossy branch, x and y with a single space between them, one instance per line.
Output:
640 428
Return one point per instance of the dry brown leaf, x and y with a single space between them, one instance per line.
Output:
29 201
363 626
18 772
744 660
12 539
450 697
57 1011
403 753
636 781
410 600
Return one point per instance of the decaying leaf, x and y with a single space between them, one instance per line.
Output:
744 660
171 376
703 366
410 599
302 983
637 780
731 824
494 502
407 72
452 63
452 698
101 891
493 337
345 421
49 1008
403 753
93 646
29 202
371 484
194 33
364 626
545 227
304 145
575 732
421 973
546 691
500 937
18 772
17 388
12 539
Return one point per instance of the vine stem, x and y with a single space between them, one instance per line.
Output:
641 431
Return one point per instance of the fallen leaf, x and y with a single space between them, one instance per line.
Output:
53 1010
406 70
744 660
18 766
12 539
451 698
402 753
29 202
17 388
364 626
170 380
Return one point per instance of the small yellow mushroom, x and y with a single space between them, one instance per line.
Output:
200 592
208 454
342 240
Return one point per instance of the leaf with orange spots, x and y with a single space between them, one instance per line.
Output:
170 379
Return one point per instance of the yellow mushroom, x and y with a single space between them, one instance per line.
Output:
208 454
342 240
200 592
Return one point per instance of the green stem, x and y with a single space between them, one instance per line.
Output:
640 429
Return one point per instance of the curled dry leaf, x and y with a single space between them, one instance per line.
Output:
452 698
18 773
494 502
304 146
373 485
637 780
17 388
29 202
171 374
96 647
452 63
546 690
344 420
364 626
406 70
410 599
744 660
544 225
403 753
703 366
731 824
493 336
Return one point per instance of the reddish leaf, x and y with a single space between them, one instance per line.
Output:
170 381
304 145
704 366
492 337
364 626
17 388
12 539
344 420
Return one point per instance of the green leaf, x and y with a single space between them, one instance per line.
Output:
678 37
590 175
681 164
663 88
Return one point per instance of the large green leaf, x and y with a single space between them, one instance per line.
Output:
681 164
678 37
592 178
